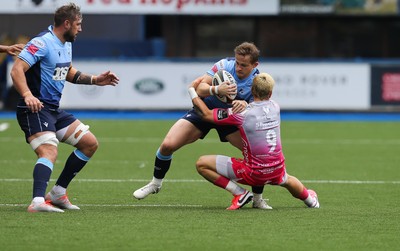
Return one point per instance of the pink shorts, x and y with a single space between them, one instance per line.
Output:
246 175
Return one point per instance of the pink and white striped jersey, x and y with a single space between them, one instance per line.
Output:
259 127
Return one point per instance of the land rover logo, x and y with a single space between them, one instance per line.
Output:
149 86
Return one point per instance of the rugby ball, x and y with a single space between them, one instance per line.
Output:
220 77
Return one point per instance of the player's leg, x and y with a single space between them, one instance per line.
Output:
44 144
258 200
299 191
78 135
218 170
45 147
180 134
235 139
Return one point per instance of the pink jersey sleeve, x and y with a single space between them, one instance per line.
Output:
227 117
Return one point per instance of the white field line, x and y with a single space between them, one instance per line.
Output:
213 141
177 181
111 205
138 163
201 181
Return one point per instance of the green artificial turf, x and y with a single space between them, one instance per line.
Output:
353 166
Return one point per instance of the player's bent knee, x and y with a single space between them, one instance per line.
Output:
47 138
88 146
167 148
93 145
77 135
200 165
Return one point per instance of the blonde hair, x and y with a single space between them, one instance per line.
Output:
262 87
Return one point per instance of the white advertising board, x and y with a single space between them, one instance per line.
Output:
166 7
143 85
163 85
321 86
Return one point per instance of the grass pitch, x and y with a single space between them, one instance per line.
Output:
353 166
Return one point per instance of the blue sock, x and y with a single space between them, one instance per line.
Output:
41 176
75 162
161 165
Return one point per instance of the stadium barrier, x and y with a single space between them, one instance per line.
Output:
162 85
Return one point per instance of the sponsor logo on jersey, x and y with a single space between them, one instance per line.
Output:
264 125
38 43
214 69
149 86
61 71
222 114
32 49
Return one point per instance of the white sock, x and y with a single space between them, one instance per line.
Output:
156 181
257 196
59 190
309 201
234 188
38 200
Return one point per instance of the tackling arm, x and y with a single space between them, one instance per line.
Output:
202 85
200 106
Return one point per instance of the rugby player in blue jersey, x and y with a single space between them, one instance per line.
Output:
39 74
191 127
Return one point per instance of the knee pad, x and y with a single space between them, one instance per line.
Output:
79 132
47 138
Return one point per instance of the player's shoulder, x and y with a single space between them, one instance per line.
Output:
226 63
40 40
223 64
274 102
44 35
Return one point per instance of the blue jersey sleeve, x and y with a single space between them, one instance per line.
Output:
34 51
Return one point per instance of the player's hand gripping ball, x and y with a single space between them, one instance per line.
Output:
220 77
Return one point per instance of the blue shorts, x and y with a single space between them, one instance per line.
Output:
205 127
48 119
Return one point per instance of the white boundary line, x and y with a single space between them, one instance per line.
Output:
201 181
315 141
111 205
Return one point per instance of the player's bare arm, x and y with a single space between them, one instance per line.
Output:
204 87
200 107
12 49
20 84
238 106
106 78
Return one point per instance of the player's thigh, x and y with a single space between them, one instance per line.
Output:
34 124
208 162
224 166
181 133
78 134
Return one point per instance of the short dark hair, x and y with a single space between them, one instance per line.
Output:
69 12
247 48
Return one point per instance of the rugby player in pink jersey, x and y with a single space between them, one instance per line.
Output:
190 127
263 161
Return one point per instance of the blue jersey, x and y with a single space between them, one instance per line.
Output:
49 60
243 85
